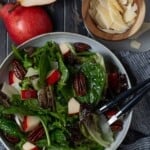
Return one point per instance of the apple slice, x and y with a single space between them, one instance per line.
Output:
30 122
27 94
35 83
29 146
28 3
9 90
31 72
64 48
73 106
53 77
12 78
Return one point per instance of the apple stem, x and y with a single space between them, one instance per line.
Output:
14 7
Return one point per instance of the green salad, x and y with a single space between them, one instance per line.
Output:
51 96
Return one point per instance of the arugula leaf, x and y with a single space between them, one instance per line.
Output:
27 62
44 68
18 54
10 127
64 72
59 137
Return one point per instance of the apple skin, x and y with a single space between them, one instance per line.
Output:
23 23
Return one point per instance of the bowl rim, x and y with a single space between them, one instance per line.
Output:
128 118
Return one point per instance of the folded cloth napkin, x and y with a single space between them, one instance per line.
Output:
138 68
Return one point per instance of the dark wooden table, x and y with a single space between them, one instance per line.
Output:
66 16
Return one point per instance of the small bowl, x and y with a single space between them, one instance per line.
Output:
92 27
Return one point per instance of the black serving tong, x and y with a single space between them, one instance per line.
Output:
132 97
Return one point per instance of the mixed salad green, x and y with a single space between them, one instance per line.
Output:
50 100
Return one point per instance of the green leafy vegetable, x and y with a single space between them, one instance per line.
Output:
96 77
17 53
91 128
10 127
44 68
64 72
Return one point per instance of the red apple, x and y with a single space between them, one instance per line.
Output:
23 23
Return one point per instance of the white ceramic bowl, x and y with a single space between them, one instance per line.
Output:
109 58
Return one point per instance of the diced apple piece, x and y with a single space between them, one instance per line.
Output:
13 78
27 94
28 3
29 146
53 77
31 72
16 86
64 48
35 83
9 90
30 122
73 106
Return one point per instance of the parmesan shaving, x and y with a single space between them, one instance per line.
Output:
135 44
113 16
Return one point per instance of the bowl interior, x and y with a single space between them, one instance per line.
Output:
109 57
92 27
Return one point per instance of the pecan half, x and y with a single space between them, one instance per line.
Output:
117 126
79 84
81 47
46 98
71 59
11 139
36 134
18 69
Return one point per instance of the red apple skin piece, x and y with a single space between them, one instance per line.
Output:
53 77
23 23
27 94
24 123
29 123
13 78
36 148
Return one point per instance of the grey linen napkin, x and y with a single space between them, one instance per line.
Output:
138 68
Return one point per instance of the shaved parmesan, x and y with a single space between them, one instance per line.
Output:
130 13
113 16
123 2
135 44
